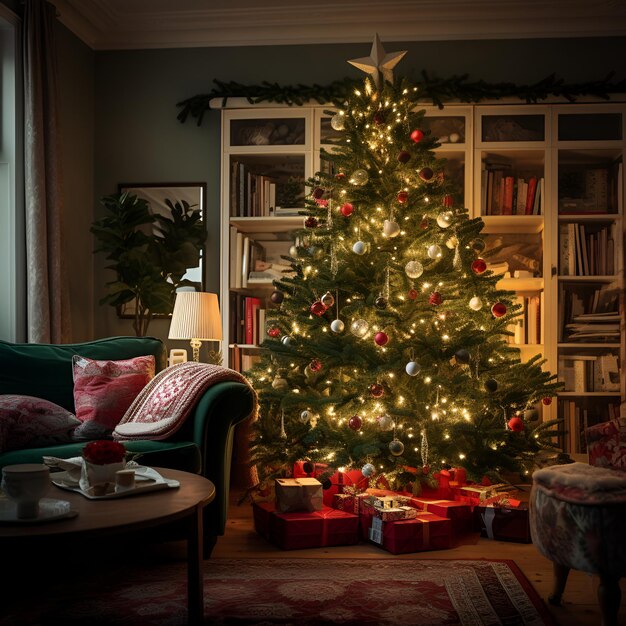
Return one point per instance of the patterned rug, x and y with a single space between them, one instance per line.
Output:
364 592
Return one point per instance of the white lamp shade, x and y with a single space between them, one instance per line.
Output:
196 316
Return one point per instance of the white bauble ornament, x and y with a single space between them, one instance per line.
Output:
359 327
391 228
445 219
359 247
385 422
305 416
286 340
476 304
412 368
434 251
414 269
452 243
338 121
337 326
396 447
293 252
368 470
328 299
359 177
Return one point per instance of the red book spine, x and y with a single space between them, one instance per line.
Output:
507 205
249 321
530 198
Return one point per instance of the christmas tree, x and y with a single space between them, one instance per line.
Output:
387 345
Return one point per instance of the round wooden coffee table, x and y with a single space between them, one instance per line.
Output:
166 514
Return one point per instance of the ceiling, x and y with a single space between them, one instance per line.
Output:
134 24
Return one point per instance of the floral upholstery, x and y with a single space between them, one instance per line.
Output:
604 443
580 528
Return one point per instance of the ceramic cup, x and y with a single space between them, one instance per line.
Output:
26 484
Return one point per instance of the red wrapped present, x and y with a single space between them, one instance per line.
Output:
340 481
504 523
262 513
426 532
293 531
344 502
298 494
459 513
340 527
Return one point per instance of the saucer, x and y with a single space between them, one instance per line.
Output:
49 509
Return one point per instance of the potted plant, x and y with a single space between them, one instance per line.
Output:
149 253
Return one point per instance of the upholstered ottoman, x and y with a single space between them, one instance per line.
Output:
577 514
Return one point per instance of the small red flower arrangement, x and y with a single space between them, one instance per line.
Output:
104 451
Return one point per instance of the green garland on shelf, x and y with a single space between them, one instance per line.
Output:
437 90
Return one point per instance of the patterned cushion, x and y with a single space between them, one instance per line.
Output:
103 391
28 422
605 444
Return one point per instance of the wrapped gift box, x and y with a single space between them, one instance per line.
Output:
426 532
342 482
459 513
504 523
344 502
298 494
292 531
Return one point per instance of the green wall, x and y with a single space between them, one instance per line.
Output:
138 138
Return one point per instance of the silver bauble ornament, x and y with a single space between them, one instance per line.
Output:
414 269
434 251
359 247
475 303
337 121
385 422
280 384
452 243
412 368
327 299
286 340
391 228
293 252
359 327
337 326
396 447
368 470
445 219
359 177
305 416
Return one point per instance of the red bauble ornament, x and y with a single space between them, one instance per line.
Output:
424 224
340 175
426 174
379 119
377 390
516 424
310 222
498 309
381 338
404 156
417 135
403 196
318 192
546 401
426 470
273 332
317 308
346 209
355 422
412 294
435 298
315 365
448 201
479 266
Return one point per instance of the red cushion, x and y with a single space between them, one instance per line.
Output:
103 390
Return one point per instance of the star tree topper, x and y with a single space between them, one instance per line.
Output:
379 61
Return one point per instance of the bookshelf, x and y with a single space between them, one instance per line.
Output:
547 180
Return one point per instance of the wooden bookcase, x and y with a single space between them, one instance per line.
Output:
574 153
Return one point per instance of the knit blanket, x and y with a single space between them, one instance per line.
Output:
580 483
164 404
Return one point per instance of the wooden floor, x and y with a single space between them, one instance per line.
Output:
579 607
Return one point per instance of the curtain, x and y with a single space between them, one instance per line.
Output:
46 286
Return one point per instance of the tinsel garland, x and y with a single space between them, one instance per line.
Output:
433 89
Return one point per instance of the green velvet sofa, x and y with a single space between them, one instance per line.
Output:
203 445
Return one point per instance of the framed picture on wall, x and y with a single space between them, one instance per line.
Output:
161 197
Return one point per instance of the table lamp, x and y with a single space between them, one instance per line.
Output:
196 317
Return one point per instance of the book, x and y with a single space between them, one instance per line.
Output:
238 260
584 260
530 196
251 305
245 261
507 199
